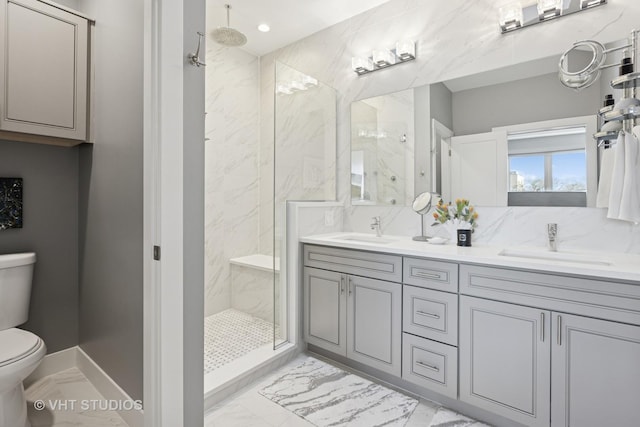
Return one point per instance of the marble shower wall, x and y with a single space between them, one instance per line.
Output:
232 179
454 38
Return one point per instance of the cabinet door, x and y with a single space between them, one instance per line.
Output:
505 359
43 70
374 323
325 310
595 372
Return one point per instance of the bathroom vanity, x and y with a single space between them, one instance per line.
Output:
536 341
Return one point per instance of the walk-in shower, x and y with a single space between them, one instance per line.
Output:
270 137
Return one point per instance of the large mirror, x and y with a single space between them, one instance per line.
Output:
509 137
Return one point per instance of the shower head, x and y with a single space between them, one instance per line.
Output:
227 36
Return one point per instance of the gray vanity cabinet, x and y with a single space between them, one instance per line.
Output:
595 372
374 319
325 310
351 315
505 352
44 53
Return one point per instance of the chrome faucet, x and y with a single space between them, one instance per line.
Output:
552 232
375 225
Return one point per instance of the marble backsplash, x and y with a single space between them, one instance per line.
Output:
578 228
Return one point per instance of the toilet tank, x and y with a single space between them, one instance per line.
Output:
16 272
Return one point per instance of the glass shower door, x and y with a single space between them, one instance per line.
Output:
304 166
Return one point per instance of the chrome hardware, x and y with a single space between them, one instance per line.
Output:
194 58
393 178
403 138
342 285
542 327
552 232
350 284
426 275
432 368
559 330
422 313
375 225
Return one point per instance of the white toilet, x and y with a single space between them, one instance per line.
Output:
20 351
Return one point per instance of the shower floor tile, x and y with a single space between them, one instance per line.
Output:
231 334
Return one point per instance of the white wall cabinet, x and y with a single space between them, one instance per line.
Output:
595 372
505 352
44 57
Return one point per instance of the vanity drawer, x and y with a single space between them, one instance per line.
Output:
430 314
359 263
426 273
430 364
617 301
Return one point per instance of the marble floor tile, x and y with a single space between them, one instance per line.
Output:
68 398
231 334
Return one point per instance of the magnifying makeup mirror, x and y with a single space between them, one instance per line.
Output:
421 205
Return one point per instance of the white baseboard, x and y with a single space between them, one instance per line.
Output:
107 387
75 357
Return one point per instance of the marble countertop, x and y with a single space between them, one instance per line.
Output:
621 266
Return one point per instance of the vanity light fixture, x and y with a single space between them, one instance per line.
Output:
515 16
405 51
549 9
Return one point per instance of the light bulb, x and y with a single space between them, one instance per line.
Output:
511 17
383 57
406 50
548 9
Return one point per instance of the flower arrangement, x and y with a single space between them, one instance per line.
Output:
461 214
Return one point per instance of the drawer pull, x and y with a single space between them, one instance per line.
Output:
542 327
342 284
559 330
422 313
426 275
431 368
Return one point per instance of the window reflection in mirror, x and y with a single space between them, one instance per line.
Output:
549 161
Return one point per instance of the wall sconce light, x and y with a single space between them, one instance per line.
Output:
514 16
383 58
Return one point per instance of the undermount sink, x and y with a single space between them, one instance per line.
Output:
554 256
364 239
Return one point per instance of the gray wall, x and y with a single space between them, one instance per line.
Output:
441 100
111 306
193 203
50 228
523 101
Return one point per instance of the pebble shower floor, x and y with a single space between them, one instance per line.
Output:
231 334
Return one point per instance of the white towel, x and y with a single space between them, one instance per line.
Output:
630 200
617 179
606 173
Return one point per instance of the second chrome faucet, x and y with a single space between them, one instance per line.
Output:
552 232
375 225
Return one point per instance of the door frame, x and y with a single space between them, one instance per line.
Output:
168 390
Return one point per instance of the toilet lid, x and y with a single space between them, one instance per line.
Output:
16 344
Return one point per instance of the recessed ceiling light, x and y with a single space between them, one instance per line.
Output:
264 28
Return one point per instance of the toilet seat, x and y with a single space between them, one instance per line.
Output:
17 344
